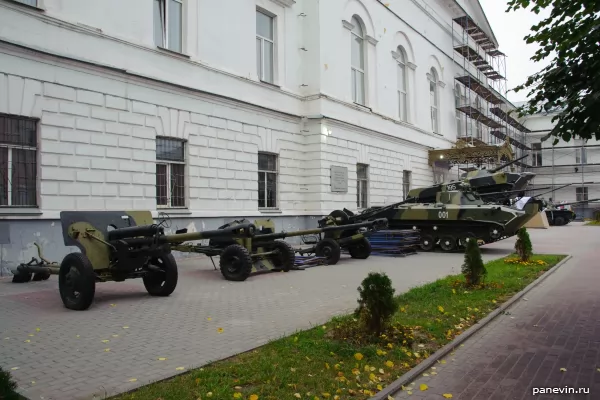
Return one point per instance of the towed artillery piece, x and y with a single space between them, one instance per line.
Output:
457 215
115 246
492 185
242 256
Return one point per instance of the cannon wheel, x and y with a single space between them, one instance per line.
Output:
330 249
360 249
286 256
162 283
235 263
76 282
21 277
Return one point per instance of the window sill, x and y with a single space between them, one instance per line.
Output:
362 107
37 8
274 85
173 52
20 211
173 211
270 211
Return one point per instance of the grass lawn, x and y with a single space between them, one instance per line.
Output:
311 365
593 223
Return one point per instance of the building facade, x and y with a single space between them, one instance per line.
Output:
575 163
212 111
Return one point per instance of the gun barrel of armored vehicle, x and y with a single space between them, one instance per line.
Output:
555 189
575 202
153 234
510 191
508 164
379 223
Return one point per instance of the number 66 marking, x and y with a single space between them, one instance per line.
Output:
443 214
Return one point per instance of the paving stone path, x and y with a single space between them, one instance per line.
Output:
555 326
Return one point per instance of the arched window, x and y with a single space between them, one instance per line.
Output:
458 103
402 85
358 62
433 99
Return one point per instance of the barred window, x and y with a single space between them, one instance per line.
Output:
170 172
267 180
18 161
581 193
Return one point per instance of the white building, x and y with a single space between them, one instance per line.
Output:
576 162
215 110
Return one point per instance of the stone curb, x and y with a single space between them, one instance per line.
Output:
442 352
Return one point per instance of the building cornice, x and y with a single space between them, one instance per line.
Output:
284 3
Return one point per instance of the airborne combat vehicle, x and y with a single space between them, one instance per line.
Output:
492 185
458 214
561 214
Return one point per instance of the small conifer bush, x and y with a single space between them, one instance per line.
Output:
8 387
523 246
473 268
376 303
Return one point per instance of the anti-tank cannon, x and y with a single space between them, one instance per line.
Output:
115 246
265 252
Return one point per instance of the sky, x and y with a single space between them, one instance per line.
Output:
510 29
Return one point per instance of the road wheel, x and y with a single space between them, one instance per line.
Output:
76 282
447 243
164 282
427 243
559 221
285 257
235 263
330 249
464 238
360 249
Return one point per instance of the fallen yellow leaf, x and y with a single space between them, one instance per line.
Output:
423 387
133 380
15 368
179 369
162 358
125 327
293 369
253 397
425 374
105 341
27 341
379 387
220 330
441 308
389 364
563 369
390 397
297 395
31 335
358 356
107 350
447 395
37 329
237 395
409 392
113 305
209 394
209 318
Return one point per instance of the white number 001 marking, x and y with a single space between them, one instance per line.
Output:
443 214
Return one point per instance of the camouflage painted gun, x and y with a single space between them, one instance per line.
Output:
119 245
263 252
457 215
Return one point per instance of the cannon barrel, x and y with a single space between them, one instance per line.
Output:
555 189
242 230
574 202
510 191
492 171
381 222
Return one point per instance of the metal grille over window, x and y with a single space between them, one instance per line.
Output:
267 180
18 161
170 172
362 185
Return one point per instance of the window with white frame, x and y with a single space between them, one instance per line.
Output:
18 161
170 172
581 193
265 46
168 24
580 153
457 104
358 62
536 154
362 185
267 180
406 181
402 85
433 99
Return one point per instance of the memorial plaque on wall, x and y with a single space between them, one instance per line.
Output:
339 179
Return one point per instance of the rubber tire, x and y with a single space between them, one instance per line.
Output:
360 250
171 276
330 249
559 221
448 247
286 260
41 276
431 243
87 282
243 256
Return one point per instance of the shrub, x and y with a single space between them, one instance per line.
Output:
473 269
7 387
376 303
523 245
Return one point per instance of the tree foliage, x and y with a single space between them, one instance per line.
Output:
523 245
570 38
473 268
376 302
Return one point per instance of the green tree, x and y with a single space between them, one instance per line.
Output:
569 37
8 386
376 302
523 245
473 268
